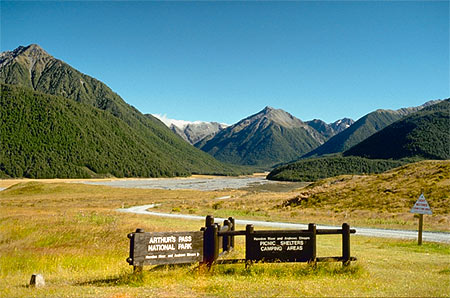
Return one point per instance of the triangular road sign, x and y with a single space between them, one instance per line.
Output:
421 206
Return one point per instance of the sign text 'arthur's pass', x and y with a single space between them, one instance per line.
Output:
170 243
168 247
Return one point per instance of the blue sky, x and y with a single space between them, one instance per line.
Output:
223 61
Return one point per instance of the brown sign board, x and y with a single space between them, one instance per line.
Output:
166 248
280 246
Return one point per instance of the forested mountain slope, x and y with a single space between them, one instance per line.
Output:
362 129
424 134
33 68
45 136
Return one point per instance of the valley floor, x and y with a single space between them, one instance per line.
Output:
5 183
71 233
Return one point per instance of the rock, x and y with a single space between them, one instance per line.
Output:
37 281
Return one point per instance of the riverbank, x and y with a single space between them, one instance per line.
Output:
255 182
5 183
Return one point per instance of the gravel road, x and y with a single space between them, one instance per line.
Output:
385 233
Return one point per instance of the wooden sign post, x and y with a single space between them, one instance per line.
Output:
162 248
421 207
214 240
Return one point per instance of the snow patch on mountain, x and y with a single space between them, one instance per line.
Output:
192 131
181 124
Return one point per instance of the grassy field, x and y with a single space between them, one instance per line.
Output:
381 200
71 234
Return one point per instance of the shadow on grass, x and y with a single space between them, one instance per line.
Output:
133 279
292 270
146 277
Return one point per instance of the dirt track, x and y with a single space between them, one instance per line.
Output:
384 233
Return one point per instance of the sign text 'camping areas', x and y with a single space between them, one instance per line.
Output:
283 247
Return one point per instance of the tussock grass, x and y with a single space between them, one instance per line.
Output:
380 200
70 234
395 191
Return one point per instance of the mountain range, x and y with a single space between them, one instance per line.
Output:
52 85
362 129
59 122
273 136
192 131
424 134
332 129
263 139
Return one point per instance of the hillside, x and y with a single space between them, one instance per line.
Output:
167 154
313 169
44 136
362 129
424 134
263 139
34 68
394 191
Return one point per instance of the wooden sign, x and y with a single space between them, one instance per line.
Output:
280 246
421 206
165 248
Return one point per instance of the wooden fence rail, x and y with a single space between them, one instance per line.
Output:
215 240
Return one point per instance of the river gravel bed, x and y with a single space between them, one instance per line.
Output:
205 184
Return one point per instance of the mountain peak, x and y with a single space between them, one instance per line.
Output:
278 116
34 52
30 50
192 131
267 109
266 138
35 49
27 54
34 46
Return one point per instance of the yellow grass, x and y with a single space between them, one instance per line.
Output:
71 234
382 200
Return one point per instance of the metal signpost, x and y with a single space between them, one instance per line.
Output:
421 207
